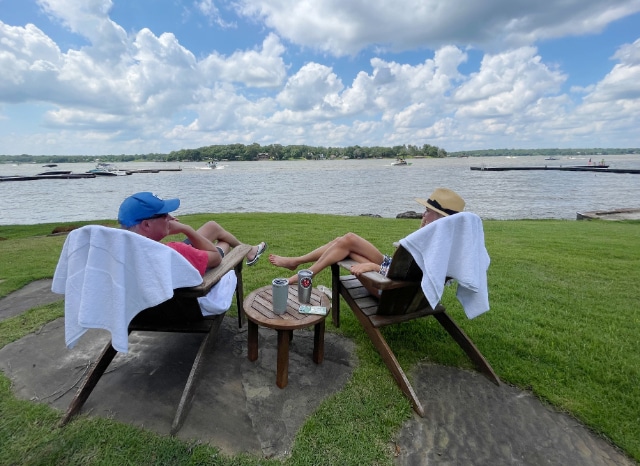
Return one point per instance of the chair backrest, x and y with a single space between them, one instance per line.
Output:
407 299
403 266
109 275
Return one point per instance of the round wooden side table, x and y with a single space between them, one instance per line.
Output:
258 307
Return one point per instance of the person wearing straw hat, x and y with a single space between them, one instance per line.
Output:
441 203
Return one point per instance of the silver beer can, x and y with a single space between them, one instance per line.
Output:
305 284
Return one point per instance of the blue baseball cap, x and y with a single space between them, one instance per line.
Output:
142 206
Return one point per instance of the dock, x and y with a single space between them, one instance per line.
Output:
67 175
567 168
62 176
617 214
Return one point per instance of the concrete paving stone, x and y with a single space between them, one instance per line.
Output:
237 406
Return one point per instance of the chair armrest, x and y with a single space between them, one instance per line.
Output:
374 279
229 262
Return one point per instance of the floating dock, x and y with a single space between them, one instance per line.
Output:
67 176
567 168
618 214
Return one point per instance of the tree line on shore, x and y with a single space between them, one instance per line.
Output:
256 151
246 152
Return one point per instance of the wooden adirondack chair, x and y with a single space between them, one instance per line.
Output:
400 300
179 314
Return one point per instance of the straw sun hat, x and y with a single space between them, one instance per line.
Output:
444 201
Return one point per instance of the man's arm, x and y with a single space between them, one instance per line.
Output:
197 241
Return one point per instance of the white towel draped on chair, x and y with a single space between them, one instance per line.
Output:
218 300
453 247
109 275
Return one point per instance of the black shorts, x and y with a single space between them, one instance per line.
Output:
186 241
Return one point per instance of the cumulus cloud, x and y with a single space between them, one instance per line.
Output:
155 77
135 90
255 68
611 107
345 28
507 83
622 83
90 19
30 61
209 9
314 86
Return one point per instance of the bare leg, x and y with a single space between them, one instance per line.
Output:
349 245
222 238
292 263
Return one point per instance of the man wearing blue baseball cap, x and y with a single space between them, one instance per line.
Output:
150 216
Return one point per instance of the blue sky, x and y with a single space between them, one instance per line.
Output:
142 76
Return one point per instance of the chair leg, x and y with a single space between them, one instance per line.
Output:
467 345
390 360
318 342
240 295
335 294
89 383
188 392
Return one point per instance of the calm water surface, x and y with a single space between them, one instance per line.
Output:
343 187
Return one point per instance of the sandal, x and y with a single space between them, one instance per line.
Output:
262 247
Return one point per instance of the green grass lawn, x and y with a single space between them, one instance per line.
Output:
564 324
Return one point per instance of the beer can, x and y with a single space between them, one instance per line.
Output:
305 284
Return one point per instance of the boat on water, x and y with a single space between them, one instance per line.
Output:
108 169
400 163
101 172
210 166
552 158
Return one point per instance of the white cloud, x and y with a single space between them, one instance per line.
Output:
89 18
314 86
29 60
211 11
611 107
155 78
256 68
507 83
140 92
345 28
623 82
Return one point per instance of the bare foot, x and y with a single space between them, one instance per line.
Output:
281 261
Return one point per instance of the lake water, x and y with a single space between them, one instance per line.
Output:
343 187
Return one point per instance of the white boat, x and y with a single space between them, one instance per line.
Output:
210 166
108 169
400 162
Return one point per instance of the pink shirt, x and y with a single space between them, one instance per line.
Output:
198 258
